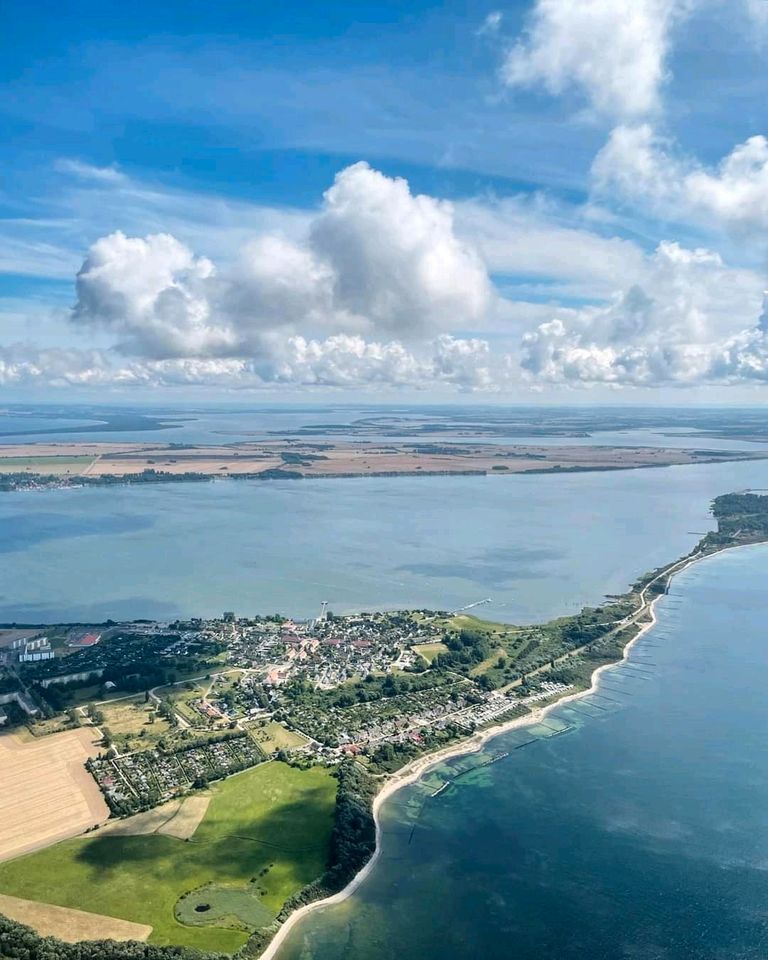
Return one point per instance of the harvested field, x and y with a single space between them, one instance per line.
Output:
70 925
187 819
140 824
46 794
178 818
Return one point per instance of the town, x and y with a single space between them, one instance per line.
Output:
179 704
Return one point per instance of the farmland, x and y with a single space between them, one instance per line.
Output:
70 925
46 794
265 834
51 466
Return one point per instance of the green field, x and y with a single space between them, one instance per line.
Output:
266 834
274 736
47 465
429 650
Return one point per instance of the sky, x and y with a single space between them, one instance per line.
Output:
528 201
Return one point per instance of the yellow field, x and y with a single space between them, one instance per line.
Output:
46 794
70 925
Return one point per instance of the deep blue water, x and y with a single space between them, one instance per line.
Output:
640 832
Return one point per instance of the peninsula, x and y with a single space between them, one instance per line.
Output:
189 785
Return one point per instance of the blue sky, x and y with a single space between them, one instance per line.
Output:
554 197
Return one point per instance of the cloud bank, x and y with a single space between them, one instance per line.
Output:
644 168
682 325
369 296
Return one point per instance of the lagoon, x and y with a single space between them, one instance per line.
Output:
539 545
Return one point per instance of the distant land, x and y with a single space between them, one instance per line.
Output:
380 421
45 465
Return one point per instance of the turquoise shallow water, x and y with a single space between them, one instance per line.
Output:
640 831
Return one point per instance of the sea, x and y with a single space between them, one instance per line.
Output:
630 825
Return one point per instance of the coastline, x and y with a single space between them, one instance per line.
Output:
412 771
38 482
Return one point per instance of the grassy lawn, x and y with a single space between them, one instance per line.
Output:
128 721
274 736
465 621
49 465
429 650
266 833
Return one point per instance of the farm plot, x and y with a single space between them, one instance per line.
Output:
265 834
46 465
46 794
70 925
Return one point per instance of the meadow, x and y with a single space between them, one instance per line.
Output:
45 465
265 835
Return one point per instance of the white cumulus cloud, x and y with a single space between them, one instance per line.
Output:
690 320
377 261
152 291
396 260
644 168
614 51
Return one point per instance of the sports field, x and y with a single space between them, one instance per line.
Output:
46 793
266 834
430 650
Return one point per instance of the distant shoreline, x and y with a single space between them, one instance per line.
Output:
37 482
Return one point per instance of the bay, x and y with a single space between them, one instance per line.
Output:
538 546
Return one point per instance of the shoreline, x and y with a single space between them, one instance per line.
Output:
412 771
41 482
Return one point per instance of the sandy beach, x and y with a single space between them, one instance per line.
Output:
473 744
